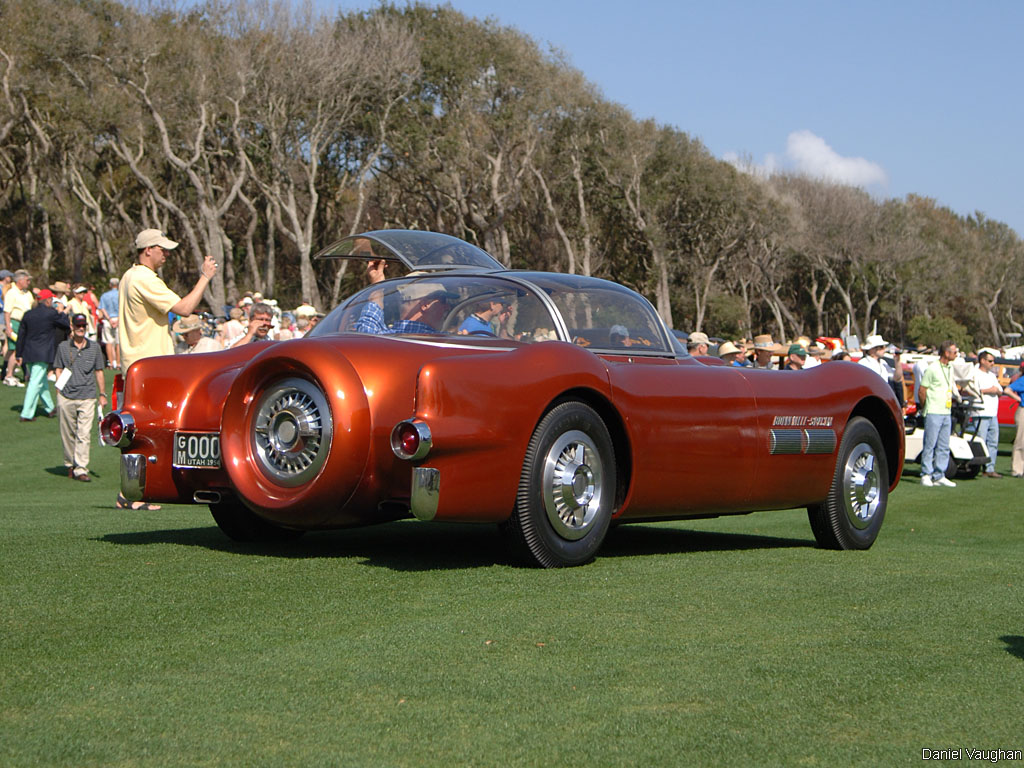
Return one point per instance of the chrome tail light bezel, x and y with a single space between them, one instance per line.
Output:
125 423
424 440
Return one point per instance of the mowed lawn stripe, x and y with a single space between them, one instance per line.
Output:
143 639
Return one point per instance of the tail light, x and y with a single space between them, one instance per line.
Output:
410 439
117 429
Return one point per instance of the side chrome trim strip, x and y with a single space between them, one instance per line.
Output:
785 441
820 440
797 441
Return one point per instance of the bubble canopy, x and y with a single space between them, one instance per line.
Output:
525 307
417 250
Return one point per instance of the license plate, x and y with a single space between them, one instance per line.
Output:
196 450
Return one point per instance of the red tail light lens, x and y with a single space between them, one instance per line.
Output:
410 440
112 429
117 429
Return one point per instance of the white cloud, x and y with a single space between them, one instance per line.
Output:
811 155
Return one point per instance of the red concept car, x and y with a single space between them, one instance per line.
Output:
548 404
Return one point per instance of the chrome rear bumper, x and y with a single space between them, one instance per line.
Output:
133 476
426 489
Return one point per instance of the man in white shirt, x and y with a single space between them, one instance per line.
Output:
986 383
874 347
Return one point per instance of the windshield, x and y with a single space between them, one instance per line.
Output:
527 307
449 305
602 314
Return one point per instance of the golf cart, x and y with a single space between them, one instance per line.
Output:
967 453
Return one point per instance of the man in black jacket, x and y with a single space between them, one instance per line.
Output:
42 327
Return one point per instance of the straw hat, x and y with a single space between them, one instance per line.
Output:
766 342
727 348
185 324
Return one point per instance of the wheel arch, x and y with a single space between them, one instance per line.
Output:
879 413
616 428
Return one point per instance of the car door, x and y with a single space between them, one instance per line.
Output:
693 433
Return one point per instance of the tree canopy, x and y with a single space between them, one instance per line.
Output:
259 132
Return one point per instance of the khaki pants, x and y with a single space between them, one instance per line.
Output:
1017 462
76 420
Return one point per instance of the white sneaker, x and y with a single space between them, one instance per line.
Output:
926 481
946 482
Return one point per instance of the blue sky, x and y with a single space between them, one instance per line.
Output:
898 97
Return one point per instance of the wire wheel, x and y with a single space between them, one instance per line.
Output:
291 431
851 515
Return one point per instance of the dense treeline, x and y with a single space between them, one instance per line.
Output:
260 132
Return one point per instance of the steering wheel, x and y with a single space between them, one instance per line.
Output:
482 333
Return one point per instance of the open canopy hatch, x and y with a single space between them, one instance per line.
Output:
418 251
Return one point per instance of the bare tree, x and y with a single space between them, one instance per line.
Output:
321 84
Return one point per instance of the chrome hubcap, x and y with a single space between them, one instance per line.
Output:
572 484
291 432
862 488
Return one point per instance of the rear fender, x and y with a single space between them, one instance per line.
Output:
482 410
309 504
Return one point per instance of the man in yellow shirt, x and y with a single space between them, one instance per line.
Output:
145 300
17 301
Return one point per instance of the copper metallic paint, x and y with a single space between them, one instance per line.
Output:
685 424
679 427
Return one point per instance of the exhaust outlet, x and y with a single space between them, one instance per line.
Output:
206 497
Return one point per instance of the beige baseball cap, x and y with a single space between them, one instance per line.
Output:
147 238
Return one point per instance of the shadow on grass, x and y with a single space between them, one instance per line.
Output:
1014 645
407 546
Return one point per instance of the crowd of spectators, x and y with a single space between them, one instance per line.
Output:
45 329
251 319
62 336
941 377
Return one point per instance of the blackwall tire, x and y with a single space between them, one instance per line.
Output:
239 523
566 489
853 511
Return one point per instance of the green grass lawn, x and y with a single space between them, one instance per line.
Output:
148 639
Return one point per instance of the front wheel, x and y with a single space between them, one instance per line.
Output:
852 513
566 489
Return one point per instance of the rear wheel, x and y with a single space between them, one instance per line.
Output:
566 490
852 513
240 523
